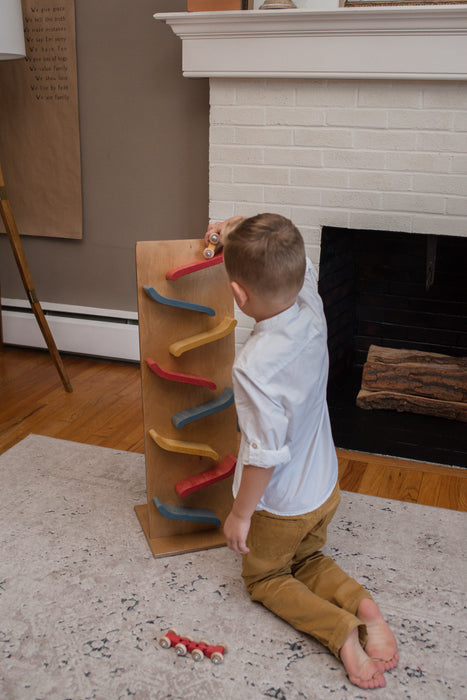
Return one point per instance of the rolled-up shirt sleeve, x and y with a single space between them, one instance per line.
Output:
263 424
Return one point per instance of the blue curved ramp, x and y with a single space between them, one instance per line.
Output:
178 303
199 515
189 415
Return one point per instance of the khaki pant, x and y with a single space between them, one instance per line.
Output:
287 573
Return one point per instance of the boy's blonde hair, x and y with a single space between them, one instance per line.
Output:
266 253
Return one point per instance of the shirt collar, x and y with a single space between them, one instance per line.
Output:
279 320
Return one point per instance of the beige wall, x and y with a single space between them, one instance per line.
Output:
144 146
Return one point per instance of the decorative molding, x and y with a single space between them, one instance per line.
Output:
422 42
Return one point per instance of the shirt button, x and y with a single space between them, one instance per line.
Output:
254 445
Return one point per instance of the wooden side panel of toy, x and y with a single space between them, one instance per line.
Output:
159 326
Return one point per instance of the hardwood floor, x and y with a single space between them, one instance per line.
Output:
105 409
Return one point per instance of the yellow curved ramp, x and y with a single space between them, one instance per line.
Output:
188 448
225 327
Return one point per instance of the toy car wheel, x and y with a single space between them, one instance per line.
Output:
172 630
204 641
214 238
208 253
224 647
164 642
180 649
197 654
217 657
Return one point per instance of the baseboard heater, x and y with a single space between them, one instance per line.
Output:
79 330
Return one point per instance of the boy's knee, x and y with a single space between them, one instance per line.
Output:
266 588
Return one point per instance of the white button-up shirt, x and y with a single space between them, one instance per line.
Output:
280 378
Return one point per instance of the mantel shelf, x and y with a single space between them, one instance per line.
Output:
424 42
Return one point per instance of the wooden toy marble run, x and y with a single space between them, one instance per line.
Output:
178 303
179 376
210 476
225 327
194 266
183 447
188 412
193 413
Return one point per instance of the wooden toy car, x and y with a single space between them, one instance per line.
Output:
210 250
198 650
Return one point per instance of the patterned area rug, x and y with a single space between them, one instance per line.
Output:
83 602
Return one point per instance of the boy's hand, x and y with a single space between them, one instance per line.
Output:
236 531
219 228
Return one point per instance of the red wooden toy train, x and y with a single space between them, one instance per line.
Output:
198 650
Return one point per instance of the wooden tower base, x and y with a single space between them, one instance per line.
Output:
170 545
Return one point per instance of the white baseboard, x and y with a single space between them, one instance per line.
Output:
76 329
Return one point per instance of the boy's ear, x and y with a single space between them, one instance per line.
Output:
240 294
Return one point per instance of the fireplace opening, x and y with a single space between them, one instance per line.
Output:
393 290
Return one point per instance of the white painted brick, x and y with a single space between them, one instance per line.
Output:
314 252
441 142
291 195
264 137
383 140
323 137
253 91
335 93
460 121
248 208
381 221
256 174
449 95
351 199
305 157
320 216
236 193
388 94
412 202
272 208
352 172
311 235
422 119
220 173
236 154
222 134
418 162
459 164
222 92
318 177
294 116
219 211
380 180
457 206
442 184
353 159
442 225
376 118
237 115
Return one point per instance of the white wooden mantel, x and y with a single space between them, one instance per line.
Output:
427 42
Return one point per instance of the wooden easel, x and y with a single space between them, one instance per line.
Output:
160 327
20 257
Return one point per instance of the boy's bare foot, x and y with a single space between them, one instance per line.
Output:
361 670
381 645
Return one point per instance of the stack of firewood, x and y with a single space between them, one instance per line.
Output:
415 381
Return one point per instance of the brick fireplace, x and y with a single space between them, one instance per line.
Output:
353 118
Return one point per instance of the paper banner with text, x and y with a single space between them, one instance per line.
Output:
39 128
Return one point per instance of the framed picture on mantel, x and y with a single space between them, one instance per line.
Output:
216 5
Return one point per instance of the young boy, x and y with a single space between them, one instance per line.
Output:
285 486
